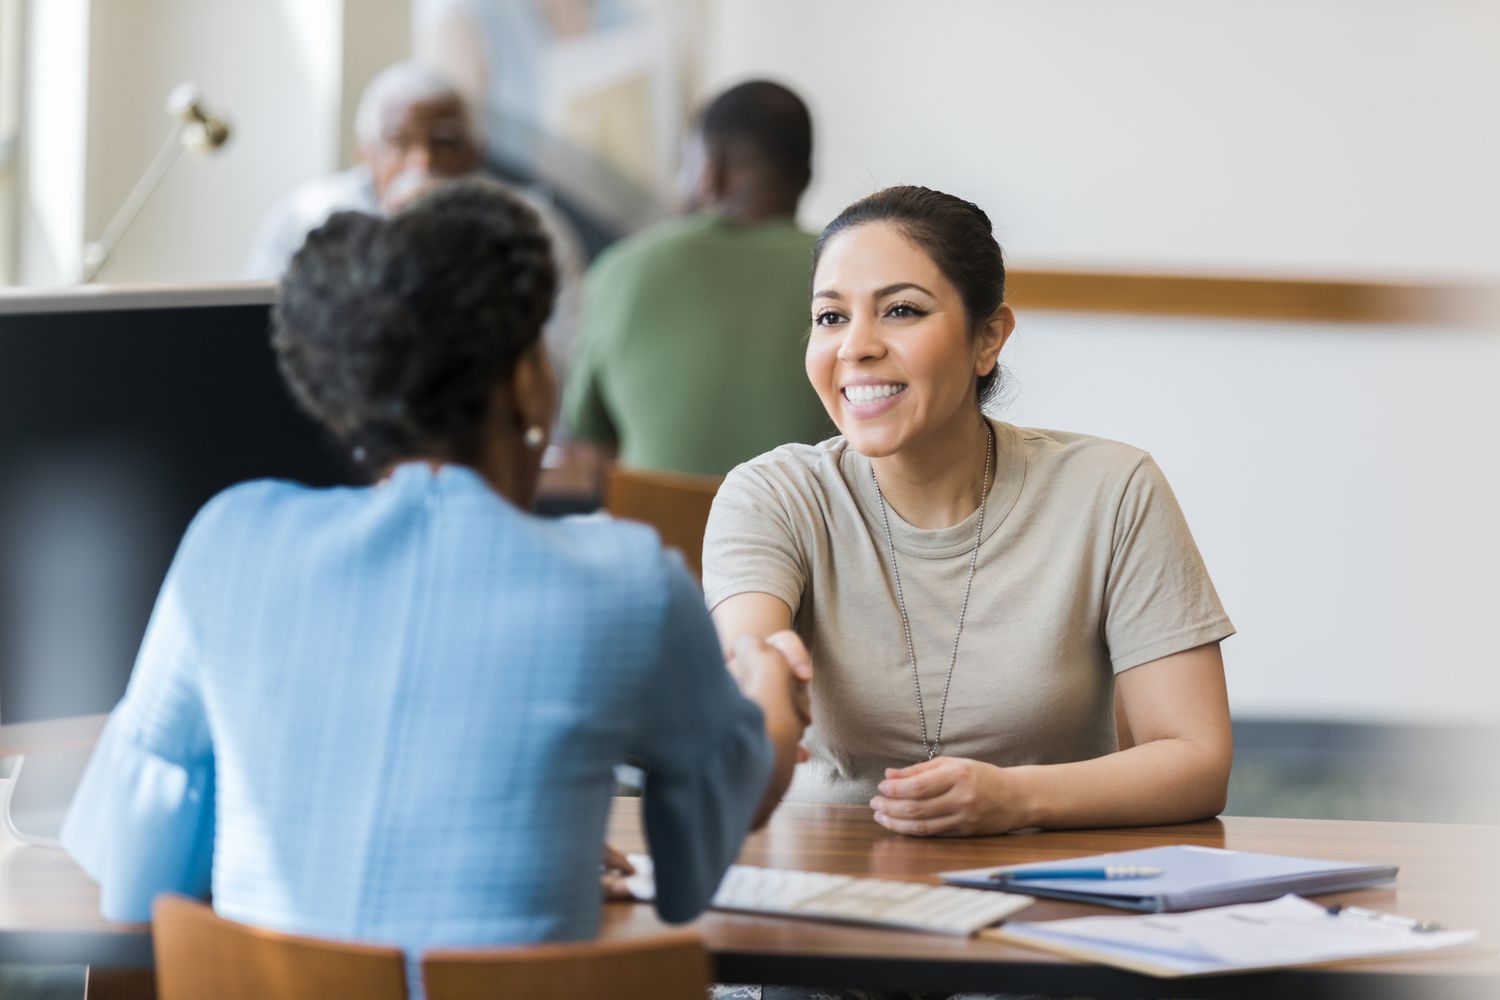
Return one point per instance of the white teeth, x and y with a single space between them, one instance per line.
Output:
870 393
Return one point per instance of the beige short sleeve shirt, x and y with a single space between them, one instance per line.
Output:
1086 568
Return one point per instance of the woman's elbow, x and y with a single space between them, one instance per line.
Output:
1214 779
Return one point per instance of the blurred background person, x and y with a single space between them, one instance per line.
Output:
412 129
690 346
588 100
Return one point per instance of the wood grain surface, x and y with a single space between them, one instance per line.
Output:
49 908
1448 873
1237 297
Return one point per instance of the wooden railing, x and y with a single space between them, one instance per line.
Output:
1256 298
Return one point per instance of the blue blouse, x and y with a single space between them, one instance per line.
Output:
391 713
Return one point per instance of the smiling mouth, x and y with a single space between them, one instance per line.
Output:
865 394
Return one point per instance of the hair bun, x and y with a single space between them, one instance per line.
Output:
394 333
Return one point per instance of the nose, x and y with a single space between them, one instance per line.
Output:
861 341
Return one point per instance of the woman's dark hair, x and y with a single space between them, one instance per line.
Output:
394 332
955 234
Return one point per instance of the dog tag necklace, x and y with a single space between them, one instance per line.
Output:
934 746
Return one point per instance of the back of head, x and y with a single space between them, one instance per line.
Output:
393 333
764 121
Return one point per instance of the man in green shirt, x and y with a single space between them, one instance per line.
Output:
692 332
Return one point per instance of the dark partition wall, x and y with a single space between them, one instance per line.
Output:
116 424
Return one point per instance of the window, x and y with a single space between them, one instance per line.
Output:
10 132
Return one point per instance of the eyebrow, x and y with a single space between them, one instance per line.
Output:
880 293
901 286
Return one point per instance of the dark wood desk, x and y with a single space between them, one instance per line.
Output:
49 909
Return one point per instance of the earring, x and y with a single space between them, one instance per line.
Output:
535 437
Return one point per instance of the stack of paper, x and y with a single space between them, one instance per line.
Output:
1287 931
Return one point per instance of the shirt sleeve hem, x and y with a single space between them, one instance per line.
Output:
1175 642
718 596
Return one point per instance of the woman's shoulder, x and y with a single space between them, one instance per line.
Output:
244 505
600 547
1073 454
793 468
228 533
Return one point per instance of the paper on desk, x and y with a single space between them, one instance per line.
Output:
1285 931
641 885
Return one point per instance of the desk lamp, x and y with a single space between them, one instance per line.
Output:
193 127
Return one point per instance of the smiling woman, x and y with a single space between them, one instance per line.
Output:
894 355
1009 627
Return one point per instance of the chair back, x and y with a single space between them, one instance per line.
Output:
671 966
202 956
675 505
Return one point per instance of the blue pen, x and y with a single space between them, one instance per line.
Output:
1038 874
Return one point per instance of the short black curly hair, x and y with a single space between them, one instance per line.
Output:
393 333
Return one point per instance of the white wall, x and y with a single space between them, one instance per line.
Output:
1341 483
1340 480
376 34
1336 136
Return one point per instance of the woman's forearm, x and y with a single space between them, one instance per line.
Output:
1164 781
784 730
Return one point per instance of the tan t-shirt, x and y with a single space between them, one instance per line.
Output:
1086 568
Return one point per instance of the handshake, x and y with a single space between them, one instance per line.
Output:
776 674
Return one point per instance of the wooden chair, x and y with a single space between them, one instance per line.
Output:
202 956
675 505
671 966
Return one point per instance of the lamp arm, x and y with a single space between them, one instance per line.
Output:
96 254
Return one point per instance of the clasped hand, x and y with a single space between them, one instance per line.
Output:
781 661
949 797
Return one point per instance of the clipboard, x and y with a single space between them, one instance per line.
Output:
1191 878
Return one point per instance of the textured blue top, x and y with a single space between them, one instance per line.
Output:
391 713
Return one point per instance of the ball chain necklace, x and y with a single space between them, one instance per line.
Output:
934 747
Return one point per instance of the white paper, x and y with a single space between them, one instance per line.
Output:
1285 931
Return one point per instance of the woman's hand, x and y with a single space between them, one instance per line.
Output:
789 645
761 674
950 797
612 876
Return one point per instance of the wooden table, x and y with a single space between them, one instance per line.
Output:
49 909
1449 873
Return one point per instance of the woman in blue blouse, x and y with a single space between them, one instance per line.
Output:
390 713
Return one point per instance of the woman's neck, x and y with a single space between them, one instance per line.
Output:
504 464
511 469
938 482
